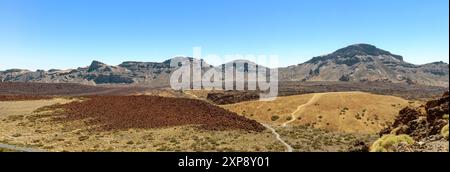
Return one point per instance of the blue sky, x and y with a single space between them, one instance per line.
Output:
44 34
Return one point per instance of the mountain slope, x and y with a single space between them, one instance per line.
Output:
364 62
130 72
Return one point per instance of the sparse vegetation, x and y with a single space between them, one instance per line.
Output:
376 109
387 143
190 138
358 116
274 118
14 117
17 135
46 108
83 138
444 132
5 150
306 139
344 111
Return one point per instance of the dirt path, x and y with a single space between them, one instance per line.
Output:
278 137
19 149
301 107
294 117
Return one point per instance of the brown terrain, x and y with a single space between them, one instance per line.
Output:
22 97
66 89
309 116
330 121
41 125
333 111
125 112
16 88
406 91
51 117
289 88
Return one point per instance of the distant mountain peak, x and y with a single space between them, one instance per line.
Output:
364 49
365 62
352 51
354 63
95 65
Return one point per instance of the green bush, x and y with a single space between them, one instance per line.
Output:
387 143
274 118
444 131
445 116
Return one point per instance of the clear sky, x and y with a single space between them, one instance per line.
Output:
45 34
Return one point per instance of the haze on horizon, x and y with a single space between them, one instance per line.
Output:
46 34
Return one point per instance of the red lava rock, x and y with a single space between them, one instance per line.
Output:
125 112
22 97
21 88
64 89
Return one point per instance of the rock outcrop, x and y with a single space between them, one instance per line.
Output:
421 122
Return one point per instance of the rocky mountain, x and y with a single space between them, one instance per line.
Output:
364 62
130 72
360 63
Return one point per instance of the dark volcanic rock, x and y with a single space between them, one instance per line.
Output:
359 146
230 97
112 79
420 125
406 115
95 65
437 108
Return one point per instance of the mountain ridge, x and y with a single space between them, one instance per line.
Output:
356 63
364 62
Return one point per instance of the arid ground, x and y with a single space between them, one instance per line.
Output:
60 117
